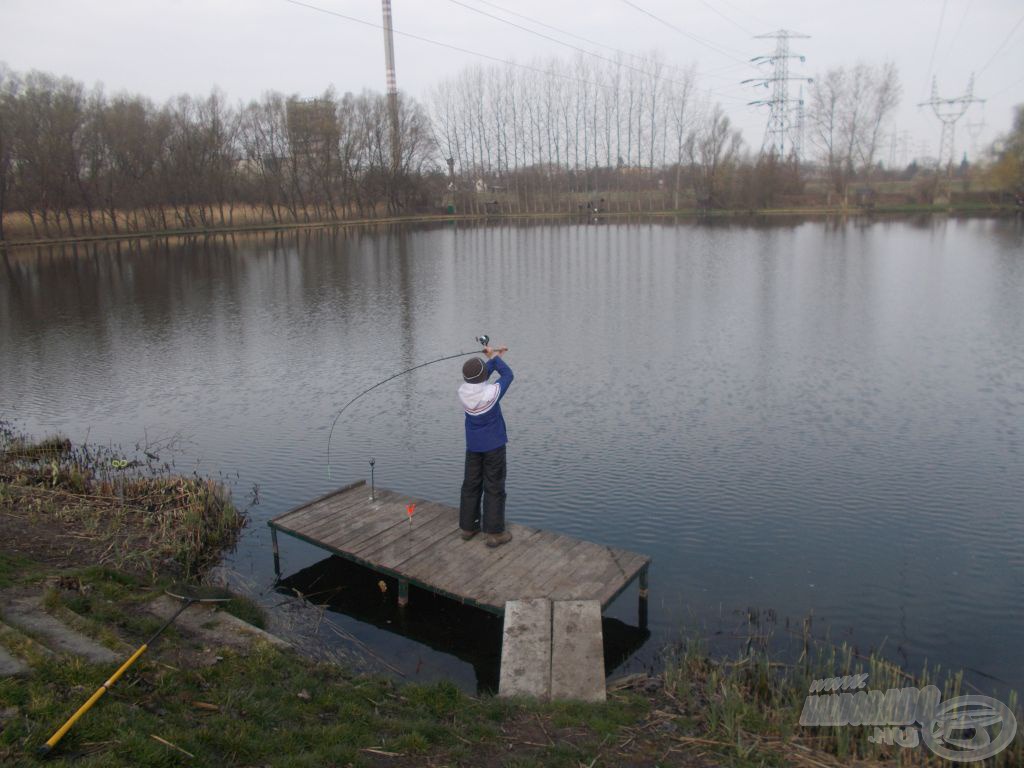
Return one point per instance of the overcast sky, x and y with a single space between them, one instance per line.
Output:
246 47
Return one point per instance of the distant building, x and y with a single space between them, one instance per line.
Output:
313 128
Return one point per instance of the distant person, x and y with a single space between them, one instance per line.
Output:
485 448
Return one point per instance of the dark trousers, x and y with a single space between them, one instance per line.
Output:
485 476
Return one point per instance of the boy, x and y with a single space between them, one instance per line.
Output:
485 447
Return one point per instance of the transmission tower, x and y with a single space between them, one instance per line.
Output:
949 111
798 137
780 133
974 130
899 149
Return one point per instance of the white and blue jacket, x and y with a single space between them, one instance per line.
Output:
485 426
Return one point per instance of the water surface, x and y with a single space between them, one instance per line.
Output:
797 416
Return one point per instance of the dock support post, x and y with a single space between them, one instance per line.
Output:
643 597
277 556
403 593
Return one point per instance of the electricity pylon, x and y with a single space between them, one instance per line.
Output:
974 130
949 111
780 133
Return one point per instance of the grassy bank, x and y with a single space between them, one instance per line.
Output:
269 707
64 504
141 527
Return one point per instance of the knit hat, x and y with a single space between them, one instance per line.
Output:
474 371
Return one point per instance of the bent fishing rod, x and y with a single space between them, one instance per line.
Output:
482 339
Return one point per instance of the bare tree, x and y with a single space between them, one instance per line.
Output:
848 112
714 152
681 118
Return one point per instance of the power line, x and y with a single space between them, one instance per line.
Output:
556 40
538 22
935 45
716 48
1012 85
731 21
745 12
959 29
509 62
548 73
1001 45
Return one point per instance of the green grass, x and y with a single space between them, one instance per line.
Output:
247 610
16 569
271 709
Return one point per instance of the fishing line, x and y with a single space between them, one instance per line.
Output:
484 341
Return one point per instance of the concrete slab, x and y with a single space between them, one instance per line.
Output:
577 651
28 648
213 626
28 615
526 649
10 664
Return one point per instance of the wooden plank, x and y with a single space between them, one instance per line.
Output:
345 489
546 579
631 562
526 649
446 563
422 519
343 540
350 510
597 560
391 554
493 575
610 591
545 555
309 515
583 590
331 512
577 651
600 567
367 521
461 560
465 570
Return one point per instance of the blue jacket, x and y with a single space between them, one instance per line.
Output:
485 426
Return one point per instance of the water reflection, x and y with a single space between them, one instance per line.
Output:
446 627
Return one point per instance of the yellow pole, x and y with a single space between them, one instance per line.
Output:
52 741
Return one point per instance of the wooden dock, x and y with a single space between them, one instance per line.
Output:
425 550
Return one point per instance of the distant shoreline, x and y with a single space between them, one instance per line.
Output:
989 210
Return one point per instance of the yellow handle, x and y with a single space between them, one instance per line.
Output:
52 741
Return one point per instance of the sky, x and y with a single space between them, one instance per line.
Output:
246 47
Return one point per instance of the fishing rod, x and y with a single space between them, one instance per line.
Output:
482 339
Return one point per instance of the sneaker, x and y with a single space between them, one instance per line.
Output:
497 539
467 535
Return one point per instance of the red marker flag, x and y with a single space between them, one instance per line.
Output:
410 510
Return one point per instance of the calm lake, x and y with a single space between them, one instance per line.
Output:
791 417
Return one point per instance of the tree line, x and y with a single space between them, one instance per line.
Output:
76 161
538 137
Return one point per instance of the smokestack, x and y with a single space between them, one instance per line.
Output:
389 64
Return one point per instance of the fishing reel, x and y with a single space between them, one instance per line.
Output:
484 339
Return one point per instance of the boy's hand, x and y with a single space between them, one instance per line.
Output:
489 352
